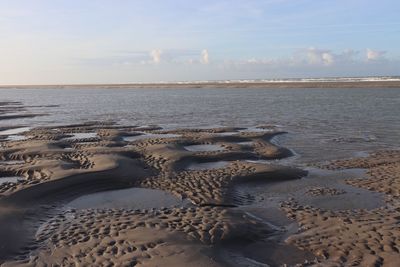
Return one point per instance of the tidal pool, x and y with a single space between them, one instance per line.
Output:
203 148
132 198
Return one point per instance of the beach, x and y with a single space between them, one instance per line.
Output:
199 133
102 193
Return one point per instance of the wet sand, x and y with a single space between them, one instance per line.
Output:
251 210
355 237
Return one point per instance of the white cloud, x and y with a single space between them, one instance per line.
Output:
204 57
375 54
156 55
327 58
320 57
252 61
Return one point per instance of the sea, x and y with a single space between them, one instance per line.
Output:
321 123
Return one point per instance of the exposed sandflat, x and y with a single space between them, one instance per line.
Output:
218 225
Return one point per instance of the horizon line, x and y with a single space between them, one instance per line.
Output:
335 79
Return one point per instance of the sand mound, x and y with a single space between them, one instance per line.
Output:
60 164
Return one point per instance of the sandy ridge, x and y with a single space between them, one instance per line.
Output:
57 167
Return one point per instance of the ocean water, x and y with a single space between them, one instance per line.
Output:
322 124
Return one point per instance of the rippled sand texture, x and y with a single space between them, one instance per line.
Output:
57 165
50 166
166 237
355 237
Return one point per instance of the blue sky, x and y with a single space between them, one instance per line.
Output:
118 41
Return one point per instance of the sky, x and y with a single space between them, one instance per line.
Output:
127 41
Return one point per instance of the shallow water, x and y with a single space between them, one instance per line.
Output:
76 136
16 137
271 194
11 162
247 143
257 130
10 179
15 134
15 131
147 136
322 123
133 198
227 133
202 148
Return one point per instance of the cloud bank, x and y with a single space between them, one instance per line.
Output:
163 64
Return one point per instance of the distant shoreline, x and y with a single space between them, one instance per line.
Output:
259 85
